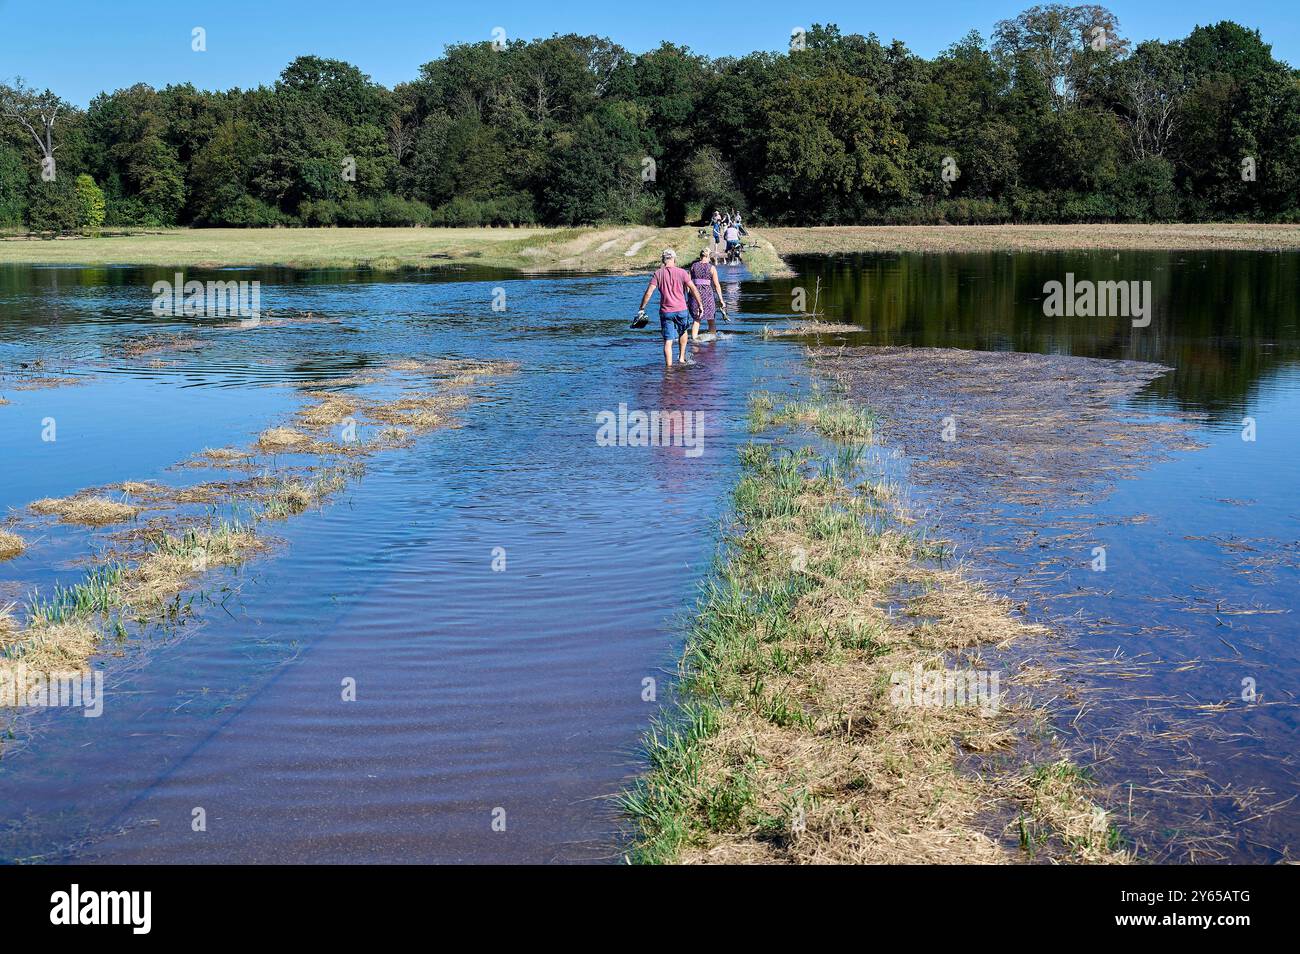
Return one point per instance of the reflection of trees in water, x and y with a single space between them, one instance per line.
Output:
1223 320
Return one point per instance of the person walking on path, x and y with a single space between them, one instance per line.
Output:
673 285
705 279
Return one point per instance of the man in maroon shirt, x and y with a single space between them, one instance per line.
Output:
673 285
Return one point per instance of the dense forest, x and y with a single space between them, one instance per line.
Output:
1055 117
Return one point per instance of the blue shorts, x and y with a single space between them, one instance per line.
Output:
674 324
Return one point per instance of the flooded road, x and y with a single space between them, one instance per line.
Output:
500 593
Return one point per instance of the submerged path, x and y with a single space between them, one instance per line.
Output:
485 698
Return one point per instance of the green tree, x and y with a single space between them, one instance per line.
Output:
90 203
832 149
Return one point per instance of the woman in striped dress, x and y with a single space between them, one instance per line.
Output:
705 278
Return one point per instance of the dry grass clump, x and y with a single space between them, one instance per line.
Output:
90 511
799 740
294 495
391 437
11 545
43 383
811 328
3 402
283 438
328 411
174 559
418 410
223 454
135 488
48 647
466 369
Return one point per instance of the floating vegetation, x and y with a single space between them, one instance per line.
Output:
145 583
418 411
147 344
329 410
294 495
42 383
811 328
11 545
88 510
283 438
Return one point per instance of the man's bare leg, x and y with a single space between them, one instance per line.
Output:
682 341
668 352
695 330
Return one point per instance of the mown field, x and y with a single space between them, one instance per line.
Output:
601 248
593 249
1030 238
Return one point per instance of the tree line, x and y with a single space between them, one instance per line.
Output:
1055 117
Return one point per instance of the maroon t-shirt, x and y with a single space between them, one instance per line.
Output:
671 282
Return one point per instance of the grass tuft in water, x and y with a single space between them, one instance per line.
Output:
11 545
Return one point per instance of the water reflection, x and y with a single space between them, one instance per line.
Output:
1225 321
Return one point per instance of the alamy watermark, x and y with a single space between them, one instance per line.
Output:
1089 299
934 688
651 429
70 689
211 299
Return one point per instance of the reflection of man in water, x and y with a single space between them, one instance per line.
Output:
706 398
673 285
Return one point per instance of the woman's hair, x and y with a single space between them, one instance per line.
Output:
704 253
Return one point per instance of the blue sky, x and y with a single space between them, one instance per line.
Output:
81 47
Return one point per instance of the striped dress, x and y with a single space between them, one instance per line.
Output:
701 275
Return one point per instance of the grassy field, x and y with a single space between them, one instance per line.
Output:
1030 238
598 249
616 249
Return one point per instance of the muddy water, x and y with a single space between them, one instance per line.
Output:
513 695
1183 657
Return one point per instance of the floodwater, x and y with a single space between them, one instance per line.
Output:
486 698
1178 586
519 694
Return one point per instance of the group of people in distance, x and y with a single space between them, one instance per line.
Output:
728 228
